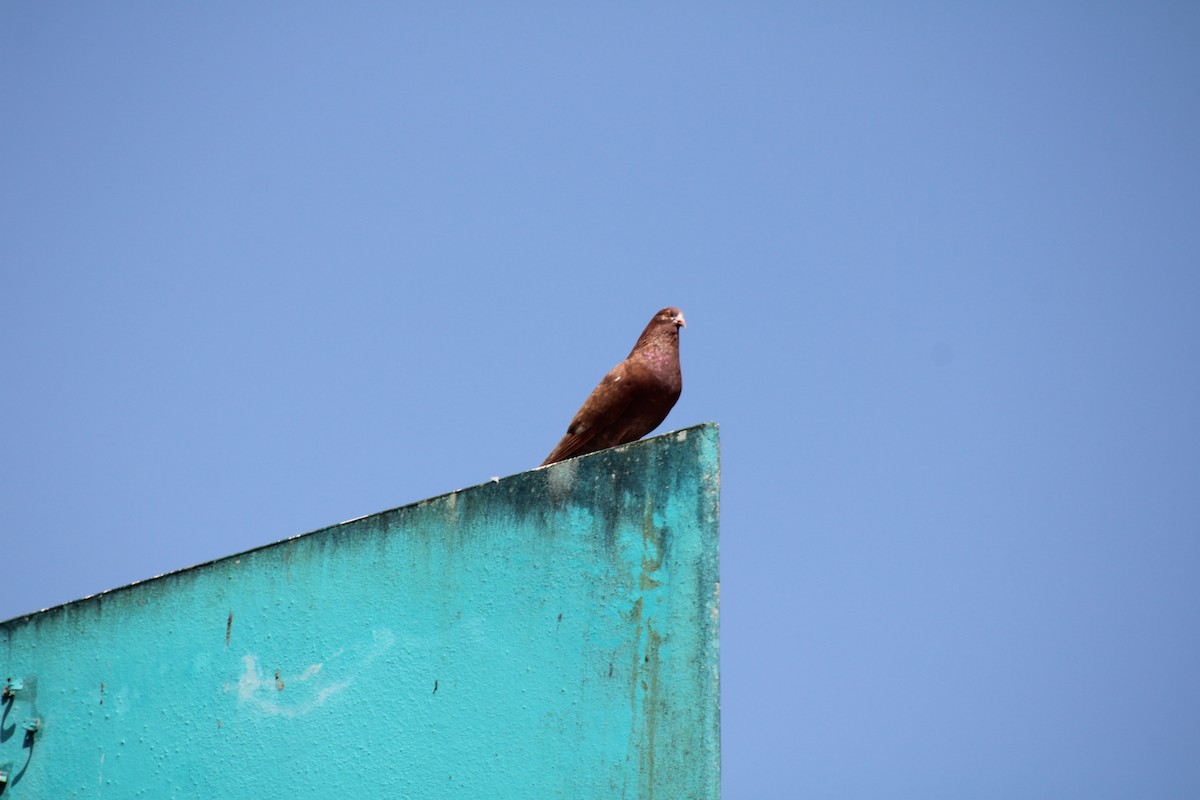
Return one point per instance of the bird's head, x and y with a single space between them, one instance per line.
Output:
672 315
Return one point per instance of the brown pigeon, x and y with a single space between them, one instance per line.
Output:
634 396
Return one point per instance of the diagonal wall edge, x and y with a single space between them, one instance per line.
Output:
550 634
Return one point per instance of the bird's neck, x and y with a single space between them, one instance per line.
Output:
657 347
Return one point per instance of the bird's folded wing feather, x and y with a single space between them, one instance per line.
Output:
604 406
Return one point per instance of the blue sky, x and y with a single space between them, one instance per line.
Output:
268 267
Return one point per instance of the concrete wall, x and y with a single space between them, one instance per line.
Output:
551 634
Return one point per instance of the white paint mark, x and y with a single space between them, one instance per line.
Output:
308 673
307 691
561 478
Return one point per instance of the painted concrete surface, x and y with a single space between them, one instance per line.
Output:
551 634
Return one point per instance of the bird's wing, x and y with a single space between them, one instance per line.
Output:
604 406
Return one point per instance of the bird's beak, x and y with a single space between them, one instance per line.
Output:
680 321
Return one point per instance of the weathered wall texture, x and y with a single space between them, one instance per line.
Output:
552 634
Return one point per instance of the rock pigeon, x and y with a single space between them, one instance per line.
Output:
634 396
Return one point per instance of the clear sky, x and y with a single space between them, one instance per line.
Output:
267 267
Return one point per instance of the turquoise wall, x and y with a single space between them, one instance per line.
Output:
550 634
